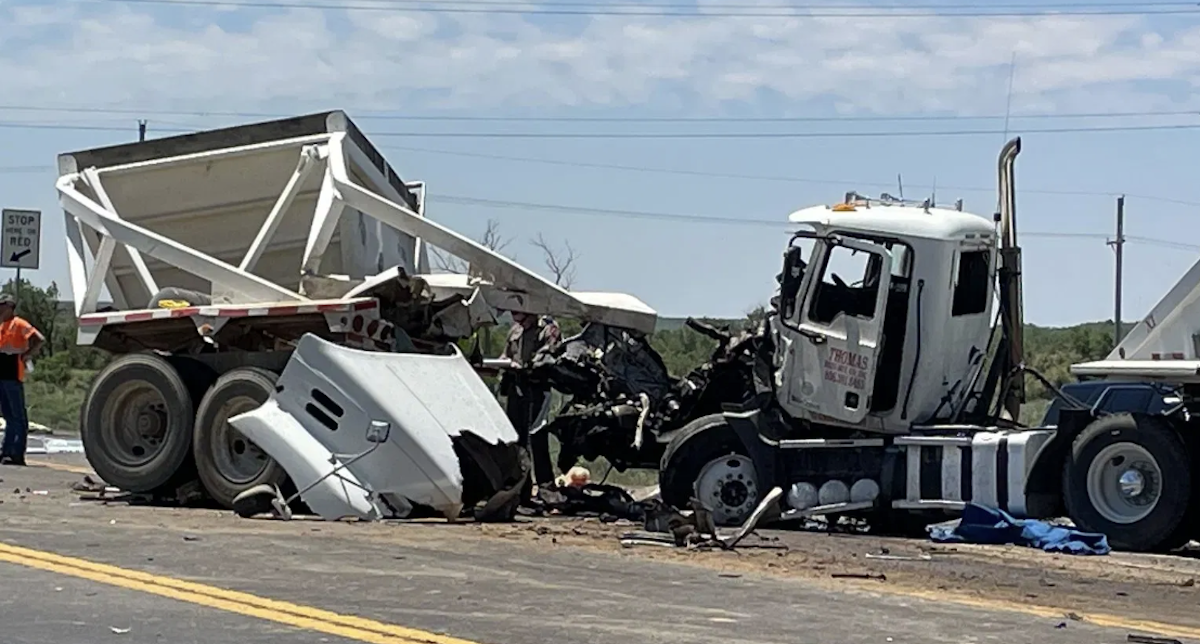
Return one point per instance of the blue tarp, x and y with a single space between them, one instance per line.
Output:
982 525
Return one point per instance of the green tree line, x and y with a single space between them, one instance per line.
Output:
63 373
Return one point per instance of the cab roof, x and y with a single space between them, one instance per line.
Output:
896 220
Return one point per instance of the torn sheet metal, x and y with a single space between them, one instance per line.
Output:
328 395
613 309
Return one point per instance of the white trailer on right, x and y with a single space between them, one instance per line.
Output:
1135 444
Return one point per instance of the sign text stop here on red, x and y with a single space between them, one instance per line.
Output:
20 233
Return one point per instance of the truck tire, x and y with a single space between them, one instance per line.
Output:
1130 477
227 462
136 423
706 460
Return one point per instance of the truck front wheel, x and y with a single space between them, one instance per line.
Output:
706 460
1129 477
136 423
227 462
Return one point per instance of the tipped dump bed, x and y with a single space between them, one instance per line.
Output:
181 188
262 212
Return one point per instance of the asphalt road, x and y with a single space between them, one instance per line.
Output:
204 576
40 607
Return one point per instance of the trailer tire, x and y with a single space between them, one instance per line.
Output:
1128 476
707 453
136 423
227 462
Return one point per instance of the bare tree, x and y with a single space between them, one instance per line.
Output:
491 239
561 264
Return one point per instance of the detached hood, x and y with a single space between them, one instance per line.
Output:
325 401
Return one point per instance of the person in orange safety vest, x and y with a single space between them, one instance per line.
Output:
19 341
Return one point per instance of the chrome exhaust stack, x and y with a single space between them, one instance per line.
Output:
1012 310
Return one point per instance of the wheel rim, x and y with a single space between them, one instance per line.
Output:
135 423
236 457
729 487
1124 483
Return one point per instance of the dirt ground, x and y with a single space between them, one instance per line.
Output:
1159 588
1152 587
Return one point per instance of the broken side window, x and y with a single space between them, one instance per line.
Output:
849 285
972 284
795 264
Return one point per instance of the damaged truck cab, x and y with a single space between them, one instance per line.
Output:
893 396
882 318
855 346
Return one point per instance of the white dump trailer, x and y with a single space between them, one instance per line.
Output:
286 262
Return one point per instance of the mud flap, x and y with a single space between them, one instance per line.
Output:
438 410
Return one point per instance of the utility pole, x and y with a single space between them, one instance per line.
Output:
141 129
1118 245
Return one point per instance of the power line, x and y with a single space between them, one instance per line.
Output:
610 119
682 172
770 178
774 223
782 135
703 219
801 6
683 135
828 11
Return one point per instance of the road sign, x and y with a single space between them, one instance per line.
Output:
20 239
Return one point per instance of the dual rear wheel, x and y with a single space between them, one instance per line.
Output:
1129 476
149 425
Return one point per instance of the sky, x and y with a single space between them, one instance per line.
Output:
668 145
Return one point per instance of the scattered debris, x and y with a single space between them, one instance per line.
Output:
878 576
887 557
580 497
622 396
630 539
88 484
1147 639
694 528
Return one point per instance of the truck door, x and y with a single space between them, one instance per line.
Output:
839 325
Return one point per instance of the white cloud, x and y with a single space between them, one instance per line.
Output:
110 53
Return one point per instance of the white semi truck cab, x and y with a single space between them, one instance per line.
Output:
895 381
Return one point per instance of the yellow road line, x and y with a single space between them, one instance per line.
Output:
296 615
367 630
1035 610
63 467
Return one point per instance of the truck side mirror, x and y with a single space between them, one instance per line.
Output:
789 284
